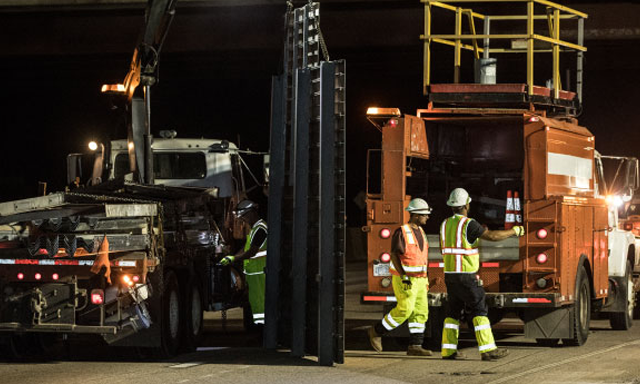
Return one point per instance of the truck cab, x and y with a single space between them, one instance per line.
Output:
205 163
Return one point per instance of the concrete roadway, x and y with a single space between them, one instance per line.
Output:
228 355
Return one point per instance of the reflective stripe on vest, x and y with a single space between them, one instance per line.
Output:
459 255
414 260
260 224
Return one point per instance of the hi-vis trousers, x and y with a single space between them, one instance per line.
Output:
463 289
412 306
256 279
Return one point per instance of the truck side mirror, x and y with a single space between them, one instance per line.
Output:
265 168
74 167
633 180
221 147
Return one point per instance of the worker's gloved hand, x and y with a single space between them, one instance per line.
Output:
519 230
227 260
406 282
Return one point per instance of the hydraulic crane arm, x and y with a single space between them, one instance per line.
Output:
143 73
144 64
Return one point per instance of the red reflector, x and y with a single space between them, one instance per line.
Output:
385 258
38 276
542 233
55 276
534 119
97 296
436 265
491 265
385 233
20 276
378 298
542 258
628 226
26 261
538 300
135 278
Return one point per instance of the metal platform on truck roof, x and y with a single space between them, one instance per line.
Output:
506 96
521 29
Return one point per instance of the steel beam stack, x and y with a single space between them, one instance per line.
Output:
305 266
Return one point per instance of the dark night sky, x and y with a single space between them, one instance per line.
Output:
216 75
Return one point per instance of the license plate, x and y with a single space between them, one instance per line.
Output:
381 269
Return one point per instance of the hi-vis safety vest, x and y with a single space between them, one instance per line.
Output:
251 267
459 255
414 260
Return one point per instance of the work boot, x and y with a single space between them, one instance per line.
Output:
417 350
375 339
456 356
496 354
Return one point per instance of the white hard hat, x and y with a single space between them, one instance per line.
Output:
458 198
244 207
419 207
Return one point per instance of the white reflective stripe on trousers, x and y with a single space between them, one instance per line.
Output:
485 347
449 346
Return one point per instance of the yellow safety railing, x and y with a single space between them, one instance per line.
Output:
550 38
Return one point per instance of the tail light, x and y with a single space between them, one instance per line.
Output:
38 276
393 123
97 296
385 233
385 257
542 258
127 280
55 276
542 233
20 276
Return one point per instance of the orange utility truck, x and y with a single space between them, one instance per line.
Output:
494 140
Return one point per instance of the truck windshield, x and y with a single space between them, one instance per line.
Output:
169 165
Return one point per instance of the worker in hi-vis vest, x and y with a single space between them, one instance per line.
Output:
409 254
459 238
254 255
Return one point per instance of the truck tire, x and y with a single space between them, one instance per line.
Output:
581 309
624 320
193 315
171 319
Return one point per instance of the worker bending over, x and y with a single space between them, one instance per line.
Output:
254 255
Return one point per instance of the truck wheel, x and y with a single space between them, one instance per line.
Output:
624 320
581 310
170 315
193 315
